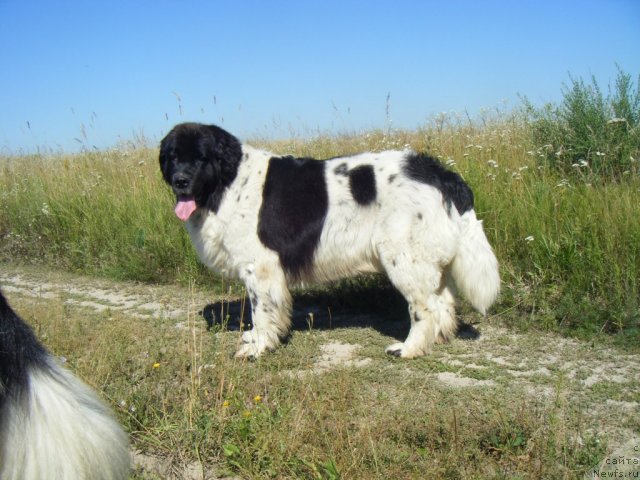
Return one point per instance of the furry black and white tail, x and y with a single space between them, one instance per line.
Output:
52 425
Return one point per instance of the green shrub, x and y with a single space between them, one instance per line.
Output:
590 134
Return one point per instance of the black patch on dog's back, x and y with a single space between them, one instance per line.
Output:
426 169
362 182
293 211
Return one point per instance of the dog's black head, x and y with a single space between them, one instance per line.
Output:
199 162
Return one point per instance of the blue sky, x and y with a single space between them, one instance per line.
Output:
91 73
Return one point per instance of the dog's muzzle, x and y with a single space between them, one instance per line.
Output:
180 183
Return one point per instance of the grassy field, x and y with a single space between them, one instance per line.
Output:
330 404
567 244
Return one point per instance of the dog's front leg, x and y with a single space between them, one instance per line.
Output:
270 308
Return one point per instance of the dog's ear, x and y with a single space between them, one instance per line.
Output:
166 146
224 153
225 146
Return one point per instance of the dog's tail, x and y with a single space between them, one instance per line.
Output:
475 267
52 425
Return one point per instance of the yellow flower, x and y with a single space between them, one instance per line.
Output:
226 404
156 365
257 399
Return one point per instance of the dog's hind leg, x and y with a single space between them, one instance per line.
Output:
270 309
448 325
431 304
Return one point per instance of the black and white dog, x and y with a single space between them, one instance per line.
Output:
273 221
52 425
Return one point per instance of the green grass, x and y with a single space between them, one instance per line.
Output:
102 213
568 247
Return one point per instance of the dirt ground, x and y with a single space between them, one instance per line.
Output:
605 380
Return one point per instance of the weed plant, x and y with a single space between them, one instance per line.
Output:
590 129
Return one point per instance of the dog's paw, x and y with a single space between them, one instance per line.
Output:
442 340
401 350
247 351
253 345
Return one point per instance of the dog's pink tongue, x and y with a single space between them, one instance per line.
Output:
184 209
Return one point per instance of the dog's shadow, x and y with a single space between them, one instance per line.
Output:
349 304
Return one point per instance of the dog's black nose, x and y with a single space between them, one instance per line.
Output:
180 181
